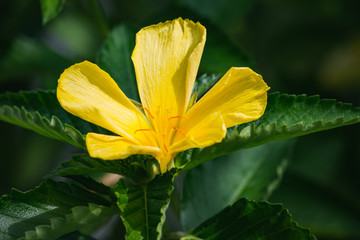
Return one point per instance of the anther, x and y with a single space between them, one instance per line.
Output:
175 117
175 128
164 142
142 129
147 110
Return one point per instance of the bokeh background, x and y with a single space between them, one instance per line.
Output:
298 47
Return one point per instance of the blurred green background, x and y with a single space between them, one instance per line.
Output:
298 47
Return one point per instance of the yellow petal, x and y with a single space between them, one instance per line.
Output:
239 96
90 93
114 147
208 131
166 59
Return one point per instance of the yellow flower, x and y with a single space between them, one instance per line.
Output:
166 59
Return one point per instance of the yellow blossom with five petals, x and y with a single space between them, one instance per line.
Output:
166 59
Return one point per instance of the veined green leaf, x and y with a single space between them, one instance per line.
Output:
50 8
41 112
251 220
286 116
205 82
138 167
51 210
250 173
114 57
143 206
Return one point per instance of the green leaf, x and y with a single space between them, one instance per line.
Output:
29 57
41 112
51 210
205 82
138 167
330 215
286 116
220 54
143 206
251 173
50 8
114 57
251 220
227 15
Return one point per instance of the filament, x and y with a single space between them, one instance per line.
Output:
142 130
164 142
147 110
175 117
175 128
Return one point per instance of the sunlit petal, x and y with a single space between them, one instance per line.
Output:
166 59
239 96
91 94
208 131
114 147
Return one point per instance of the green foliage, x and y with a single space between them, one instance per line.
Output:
25 58
114 57
143 206
286 116
138 167
329 213
204 83
251 220
41 112
250 173
50 8
228 15
326 200
220 54
51 210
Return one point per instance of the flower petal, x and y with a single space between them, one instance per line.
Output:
208 131
239 96
114 147
166 59
90 93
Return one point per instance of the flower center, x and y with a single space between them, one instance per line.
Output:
162 132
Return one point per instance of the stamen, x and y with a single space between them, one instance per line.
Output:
147 110
142 129
164 142
175 128
175 117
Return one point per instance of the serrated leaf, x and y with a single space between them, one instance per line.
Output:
50 8
51 210
251 220
204 83
286 116
138 167
41 112
143 206
114 57
250 173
